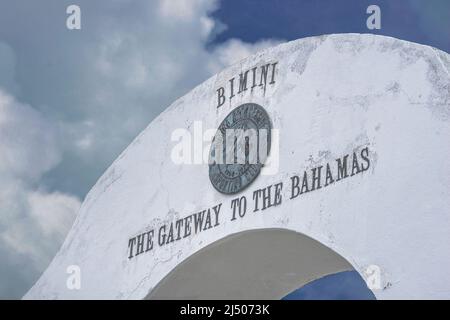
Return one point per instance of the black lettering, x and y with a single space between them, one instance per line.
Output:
267 203
208 224
365 157
232 88
216 212
256 199
305 187
295 190
329 176
243 81
162 235
187 226
220 97
342 168
264 72
316 178
170 238
234 206
131 244
254 77
355 165
149 240
198 221
273 73
178 226
278 196
140 244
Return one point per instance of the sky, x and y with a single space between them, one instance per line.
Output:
72 100
347 285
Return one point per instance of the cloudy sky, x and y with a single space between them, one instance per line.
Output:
72 100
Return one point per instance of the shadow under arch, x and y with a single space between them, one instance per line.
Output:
255 264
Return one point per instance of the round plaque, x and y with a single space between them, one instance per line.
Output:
239 148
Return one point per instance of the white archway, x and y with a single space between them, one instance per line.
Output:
379 100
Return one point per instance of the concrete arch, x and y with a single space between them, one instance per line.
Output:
376 101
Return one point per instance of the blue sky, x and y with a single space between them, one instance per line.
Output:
71 101
426 22
347 285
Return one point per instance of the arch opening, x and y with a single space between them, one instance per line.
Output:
255 264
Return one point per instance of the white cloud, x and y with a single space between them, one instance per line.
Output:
32 222
27 142
37 225
179 9
235 50
88 93
54 212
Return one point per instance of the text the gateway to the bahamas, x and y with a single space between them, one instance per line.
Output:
310 180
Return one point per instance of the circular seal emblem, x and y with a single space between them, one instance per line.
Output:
239 148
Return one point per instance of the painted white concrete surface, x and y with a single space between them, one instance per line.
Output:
332 94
